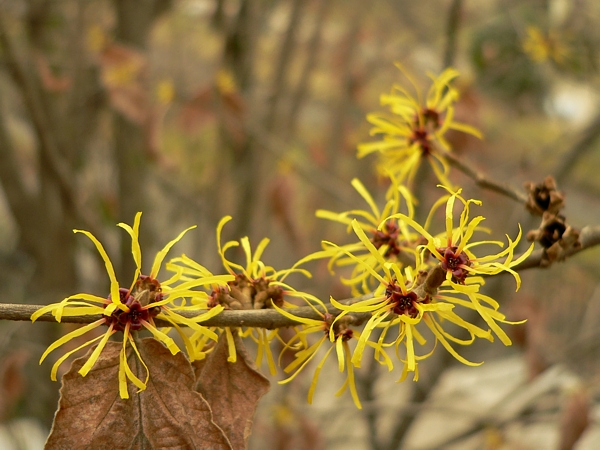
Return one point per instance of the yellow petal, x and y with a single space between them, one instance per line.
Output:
160 256
96 353
72 335
231 346
114 284
136 251
66 355
313 384
169 342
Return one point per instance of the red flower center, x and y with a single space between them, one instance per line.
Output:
387 236
146 291
454 263
403 304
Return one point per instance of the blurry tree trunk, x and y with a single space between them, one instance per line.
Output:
299 95
238 58
347 80
46 215
135 19
452 26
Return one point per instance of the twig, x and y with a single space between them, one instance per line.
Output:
264 318
581 147
270 319
483 181
451 32
589 237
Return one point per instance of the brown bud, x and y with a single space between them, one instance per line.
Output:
544 197
556 236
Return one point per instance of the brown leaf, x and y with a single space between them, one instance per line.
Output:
131 101
50 81
198 110
232 390
121 65
168 413
123 71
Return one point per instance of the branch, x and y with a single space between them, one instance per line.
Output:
589 237
262 318
581 147
270 318
484 182
451 31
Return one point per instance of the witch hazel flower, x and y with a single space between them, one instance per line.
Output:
403 301
414 128
453 249
336 332
253 285
129 310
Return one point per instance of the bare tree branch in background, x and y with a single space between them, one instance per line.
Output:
299 94
239 51
585 144
484 181
280 77
452 25
135 19
339 112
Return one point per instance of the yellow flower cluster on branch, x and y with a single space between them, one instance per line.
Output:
131 309
414 128
412 281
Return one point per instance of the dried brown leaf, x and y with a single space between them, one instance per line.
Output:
232 390
168 414
131 102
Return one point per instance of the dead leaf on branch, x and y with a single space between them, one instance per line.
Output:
168 414
232 390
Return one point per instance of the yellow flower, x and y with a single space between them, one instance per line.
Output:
454 253
463 268
415 128
130 309
336 332
541 47
251 286
404 300
391 237
394 239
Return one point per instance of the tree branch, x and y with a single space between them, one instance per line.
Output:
589 237
484 182
581 147
262 318
49 151
270 318
451 32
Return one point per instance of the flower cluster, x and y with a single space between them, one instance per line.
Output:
445 277
415 128
416 284
252 286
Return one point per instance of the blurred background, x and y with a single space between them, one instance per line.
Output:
189 110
